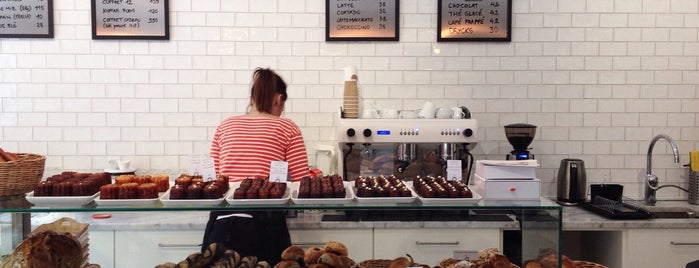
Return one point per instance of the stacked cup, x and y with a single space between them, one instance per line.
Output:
351 94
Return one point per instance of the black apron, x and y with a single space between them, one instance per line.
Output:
265 235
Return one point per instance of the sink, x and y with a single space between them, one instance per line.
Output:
672 213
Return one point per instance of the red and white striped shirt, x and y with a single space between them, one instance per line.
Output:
243 147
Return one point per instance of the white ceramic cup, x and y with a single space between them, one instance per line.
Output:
124 164
428 110
443 113
389 113
408 115
370 113
113 165
457 113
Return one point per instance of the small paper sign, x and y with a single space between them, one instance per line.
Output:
279 171
453 170
204 166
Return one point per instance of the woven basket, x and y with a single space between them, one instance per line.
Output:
20 176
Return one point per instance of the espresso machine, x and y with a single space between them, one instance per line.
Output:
406 148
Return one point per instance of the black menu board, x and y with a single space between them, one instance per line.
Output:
130 19
474 20
26 18
361 20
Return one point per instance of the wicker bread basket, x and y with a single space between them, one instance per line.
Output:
19 176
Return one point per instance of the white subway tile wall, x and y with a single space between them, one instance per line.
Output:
599 78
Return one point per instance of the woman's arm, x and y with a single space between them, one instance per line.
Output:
297 158
215 152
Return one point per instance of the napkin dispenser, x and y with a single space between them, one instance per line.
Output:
507 180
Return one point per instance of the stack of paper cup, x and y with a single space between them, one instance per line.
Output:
351 94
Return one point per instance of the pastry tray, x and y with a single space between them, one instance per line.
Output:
451 201
349 196
59 201
269 201
165 199
129 202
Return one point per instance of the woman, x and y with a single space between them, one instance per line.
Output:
243 147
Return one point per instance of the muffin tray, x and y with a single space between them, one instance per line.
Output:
165 199
349 197
246 202
59 201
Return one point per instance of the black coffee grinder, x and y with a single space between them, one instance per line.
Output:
520 136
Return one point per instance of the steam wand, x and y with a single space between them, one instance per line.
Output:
344 161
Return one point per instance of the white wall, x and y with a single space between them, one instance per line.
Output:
599 77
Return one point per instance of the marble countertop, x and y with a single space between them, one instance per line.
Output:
574 218
577 218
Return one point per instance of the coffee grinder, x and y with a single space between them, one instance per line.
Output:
520 136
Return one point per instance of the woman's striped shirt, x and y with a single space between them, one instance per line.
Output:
243 147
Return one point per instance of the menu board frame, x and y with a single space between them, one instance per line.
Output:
48 34
507 38
164 35
396 23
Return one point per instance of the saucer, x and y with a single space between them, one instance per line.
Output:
119 171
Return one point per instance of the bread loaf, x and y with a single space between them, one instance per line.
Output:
49 249
7 156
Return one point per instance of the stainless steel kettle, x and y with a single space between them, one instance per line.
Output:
572 188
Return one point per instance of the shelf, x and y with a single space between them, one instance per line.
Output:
542 204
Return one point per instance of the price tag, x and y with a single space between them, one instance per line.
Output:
204 166
279 171
453 170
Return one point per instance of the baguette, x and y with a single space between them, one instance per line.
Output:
7 156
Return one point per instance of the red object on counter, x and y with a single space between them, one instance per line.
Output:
316 173
101 216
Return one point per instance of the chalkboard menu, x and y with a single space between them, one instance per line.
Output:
361 20
26 18
130 19
474 20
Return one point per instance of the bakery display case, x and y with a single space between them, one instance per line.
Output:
387 229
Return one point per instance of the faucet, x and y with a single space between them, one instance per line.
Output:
652 184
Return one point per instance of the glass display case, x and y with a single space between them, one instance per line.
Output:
533 226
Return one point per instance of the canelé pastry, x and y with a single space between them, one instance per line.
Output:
123 179
147 191
109 191
162 181
43 188
211 191
128 191
83 188
223 181
62 188
143 179
178 192
239 193
184 180
194 191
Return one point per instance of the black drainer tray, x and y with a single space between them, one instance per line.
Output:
619 211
